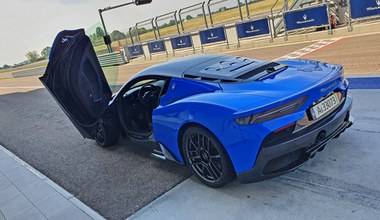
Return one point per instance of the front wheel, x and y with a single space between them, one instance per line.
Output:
106 136
206 157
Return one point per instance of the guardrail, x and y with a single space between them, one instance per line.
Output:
172 14
112 59
192 8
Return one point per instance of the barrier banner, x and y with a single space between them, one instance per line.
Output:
156 46
252 28
364 8
212 35
136 50
180 42
309 17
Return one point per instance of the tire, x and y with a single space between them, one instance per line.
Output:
206 157
106 136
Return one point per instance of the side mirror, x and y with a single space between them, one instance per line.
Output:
142 2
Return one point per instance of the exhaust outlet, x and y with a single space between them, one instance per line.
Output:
321 136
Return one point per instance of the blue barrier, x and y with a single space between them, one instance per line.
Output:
307 17
136 50
156 46
181 42
364 8
252 28
213 35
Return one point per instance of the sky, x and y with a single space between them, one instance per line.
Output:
27 25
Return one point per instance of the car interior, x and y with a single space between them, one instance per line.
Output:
138 103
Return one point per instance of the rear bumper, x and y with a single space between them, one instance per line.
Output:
283 157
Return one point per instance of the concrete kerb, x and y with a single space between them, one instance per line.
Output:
90 212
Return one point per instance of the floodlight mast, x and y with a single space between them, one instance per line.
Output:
106 37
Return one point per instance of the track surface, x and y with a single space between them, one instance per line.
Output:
358 55
119 181
115 181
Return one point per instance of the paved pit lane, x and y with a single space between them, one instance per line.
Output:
358 55
116 182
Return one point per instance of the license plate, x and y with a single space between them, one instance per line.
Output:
325 106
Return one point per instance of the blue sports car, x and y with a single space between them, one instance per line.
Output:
222 116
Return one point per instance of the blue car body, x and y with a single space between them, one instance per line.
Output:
216 91
217 105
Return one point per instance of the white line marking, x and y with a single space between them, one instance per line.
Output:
306 50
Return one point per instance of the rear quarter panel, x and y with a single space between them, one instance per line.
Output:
210 108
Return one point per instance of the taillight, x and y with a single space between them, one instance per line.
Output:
271 114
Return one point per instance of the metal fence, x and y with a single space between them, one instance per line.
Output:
203 24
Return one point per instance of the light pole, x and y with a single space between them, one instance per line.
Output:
106 37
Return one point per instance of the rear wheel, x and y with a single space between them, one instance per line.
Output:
106 136
206 157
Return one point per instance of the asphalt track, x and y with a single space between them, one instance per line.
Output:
115 182
118 181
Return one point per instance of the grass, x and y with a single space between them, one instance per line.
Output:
225 17
37 64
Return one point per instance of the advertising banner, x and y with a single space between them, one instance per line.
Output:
180 42
309 17
136 50
156 46
364 8
252 28
212 35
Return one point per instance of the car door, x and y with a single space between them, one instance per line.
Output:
75 79
135 113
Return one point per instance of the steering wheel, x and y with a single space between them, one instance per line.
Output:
147 94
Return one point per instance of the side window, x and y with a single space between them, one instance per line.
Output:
160 83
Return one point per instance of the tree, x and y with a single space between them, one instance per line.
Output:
222 9
171 22
32 56
99 32
45 52
142 30
6 66
117 35
189 17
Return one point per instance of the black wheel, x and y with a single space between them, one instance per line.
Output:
206 157
106 136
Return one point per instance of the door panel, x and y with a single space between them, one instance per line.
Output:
75 79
